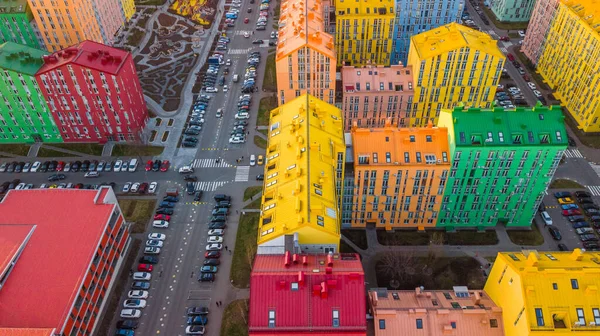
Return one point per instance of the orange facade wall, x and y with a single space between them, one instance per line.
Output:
399 176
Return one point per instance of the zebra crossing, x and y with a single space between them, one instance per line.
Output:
594 190
210 163
504 50
573 153
239 51
242 32
209 186
242 173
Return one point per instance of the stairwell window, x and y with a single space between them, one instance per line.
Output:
539 316
574 284
419 323
580 316
271 319
381 324
336 318
596 313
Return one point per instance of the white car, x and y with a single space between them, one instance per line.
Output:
205 97
246 34
161 224
20 186
142 276
214 247
252 160
225 88
154 243
219 113
127 187
521 33
131 313
134 303
531 85
36 165
212 89
137 294
152 188
242 115
195 330
216 232
237 140
228 62
151 250
157 236
214 239
135 187
117 166
537 93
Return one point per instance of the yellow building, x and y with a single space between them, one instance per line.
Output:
452 64
399 176
364 32
305 59
303 172
128 8
547 293
570 61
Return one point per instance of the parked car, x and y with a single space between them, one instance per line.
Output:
198 310
562 194
131 313
214 247
554 233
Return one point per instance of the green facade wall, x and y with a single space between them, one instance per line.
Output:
16 23
512 10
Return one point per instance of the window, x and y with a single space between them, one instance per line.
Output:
294 286
381 324
596 313
574 284
375 158
580 316
336 318
428 138
493 323
388 157
419 324
539 316
395 296
412 138
271 319
406 157
453 324
447 296
555 286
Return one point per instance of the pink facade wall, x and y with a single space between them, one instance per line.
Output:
110 17
543 12
373 94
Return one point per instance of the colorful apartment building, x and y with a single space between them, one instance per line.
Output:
16 23
512 10
537 29
459 311
399 176
374 94
502 163
304 171
307 294
72 246
94 93
63 24
415 16
364 32
24 113
452 64
569 60
305 58
547 293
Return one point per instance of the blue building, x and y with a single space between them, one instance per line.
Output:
417 16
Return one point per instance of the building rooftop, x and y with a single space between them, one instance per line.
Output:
451 312
539 125
588 10
27 332
301 24
394 78
56 244
302 291
305 136
13 6
390 145
88 54
20 58
453 36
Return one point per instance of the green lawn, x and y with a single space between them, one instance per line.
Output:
235 319
357 236
16 149
267 104
260 142
504 25
245 249
413 238
47 152
270 80
531 237
85 148
139 211
590 140
345 248
564 184
134 150
251 191
135 37
254 204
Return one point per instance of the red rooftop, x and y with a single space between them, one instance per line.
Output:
296 294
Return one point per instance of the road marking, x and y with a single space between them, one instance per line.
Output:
210 163
573 153
209 186
239 51
242 32
241 173
507 44
504 50
594 190
213 149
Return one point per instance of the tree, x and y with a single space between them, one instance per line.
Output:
398 266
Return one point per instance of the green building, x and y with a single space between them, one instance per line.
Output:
24 113
502 163
17 23
512 10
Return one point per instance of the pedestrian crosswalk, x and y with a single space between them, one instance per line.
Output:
241 173
210 163
504 50
239 51
573 153
242 32
209 186
594 190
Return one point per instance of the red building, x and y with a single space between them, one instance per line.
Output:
94 93
58 260
307 295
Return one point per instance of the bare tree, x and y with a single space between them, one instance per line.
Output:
398 266
436 244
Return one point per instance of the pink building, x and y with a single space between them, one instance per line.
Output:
375 93
542 16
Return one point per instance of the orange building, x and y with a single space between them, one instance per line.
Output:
305 59
399 176
440 312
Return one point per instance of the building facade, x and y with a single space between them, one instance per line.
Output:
537 30
452 65
399 176
417 16
512 10
547 293
77 239
16 23
301 199
434 312
374 94
307 294
24 113
127 8
364 32
502 164
305 58
94 93
569 61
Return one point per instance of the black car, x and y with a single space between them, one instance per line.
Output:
127 324
198 196
190 178
562 247
171 199
52 166
554 233
56 177
581 193
571 141
191 188
85 165
219 225
19 167
585 200
197 310
75 166
222 197
211 262
218 219
206 277
4 187
43 167
191 132
14 184
260 177
164 211
595 218
223 204
590 206
591 245
190 139
188 144
148 260
156 165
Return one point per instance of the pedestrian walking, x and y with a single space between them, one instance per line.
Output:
237 212
225 247
248 133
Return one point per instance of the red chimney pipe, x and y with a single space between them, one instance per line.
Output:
295 258
286 257
323 290
304 260
329 260
328 270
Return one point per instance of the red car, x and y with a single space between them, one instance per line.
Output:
571 212
504 38
145 268
60 166
162 217
212 254
165 166
246 20
149 165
